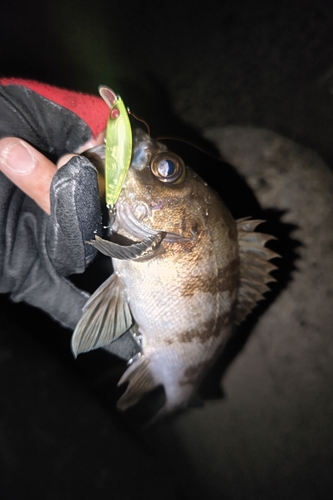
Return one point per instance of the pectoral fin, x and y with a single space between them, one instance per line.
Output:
141 249
106 316
254 266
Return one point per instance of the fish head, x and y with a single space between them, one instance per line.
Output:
160 194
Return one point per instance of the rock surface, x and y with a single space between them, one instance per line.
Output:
270 437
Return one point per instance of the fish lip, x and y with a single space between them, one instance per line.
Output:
125 219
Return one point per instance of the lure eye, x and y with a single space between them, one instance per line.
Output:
168 167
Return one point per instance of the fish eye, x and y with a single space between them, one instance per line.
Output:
168 167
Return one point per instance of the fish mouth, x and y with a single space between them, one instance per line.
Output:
126 220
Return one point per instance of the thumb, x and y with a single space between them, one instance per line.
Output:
26 167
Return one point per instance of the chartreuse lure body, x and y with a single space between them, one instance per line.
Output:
118 150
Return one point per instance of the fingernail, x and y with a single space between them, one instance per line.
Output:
18 158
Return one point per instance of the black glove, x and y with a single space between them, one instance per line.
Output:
38 251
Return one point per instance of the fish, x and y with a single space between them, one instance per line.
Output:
185 272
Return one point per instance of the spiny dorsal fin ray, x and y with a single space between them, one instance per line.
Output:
260 273
106 316
255 238
258 285
254 266
261 252
248 224
141 249
140 381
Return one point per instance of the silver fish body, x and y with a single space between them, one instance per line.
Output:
197 272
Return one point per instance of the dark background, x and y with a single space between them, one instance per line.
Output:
184 67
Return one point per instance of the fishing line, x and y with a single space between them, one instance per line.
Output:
189 143
139 120
168 138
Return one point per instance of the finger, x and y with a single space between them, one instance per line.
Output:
100 139
75 216
31 171
64 159
101 182
93 142
88 145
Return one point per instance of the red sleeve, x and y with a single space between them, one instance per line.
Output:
91 109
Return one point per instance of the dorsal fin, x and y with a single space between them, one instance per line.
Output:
255 267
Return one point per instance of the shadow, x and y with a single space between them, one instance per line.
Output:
286 246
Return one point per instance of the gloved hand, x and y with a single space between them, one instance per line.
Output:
37 250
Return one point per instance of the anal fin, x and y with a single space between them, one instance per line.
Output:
140 380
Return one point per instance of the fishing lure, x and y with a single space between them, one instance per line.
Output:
118 150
